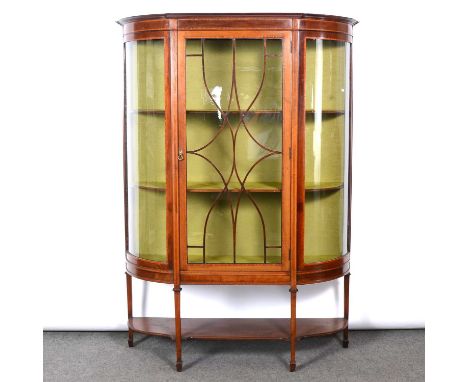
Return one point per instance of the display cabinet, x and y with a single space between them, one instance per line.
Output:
237 162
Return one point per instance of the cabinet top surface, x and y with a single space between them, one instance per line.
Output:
208 16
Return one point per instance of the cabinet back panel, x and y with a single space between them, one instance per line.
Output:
218 64
326 75
219 242
323 239
203 127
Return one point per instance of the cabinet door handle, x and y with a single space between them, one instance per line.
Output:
180 155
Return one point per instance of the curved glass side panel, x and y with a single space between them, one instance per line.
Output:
146 172
326 150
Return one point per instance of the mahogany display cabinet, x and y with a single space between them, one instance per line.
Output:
237 163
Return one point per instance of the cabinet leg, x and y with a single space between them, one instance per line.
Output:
178 330
346 310
129 308
292 335
130 338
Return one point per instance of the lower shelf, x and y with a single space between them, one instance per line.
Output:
237 328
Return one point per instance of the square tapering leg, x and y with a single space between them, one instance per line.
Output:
346 310
129 307
178 328
292 334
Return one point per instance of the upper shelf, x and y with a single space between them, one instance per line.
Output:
235 186
151 186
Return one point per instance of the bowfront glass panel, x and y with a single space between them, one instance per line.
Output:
234 128
146 173
326 149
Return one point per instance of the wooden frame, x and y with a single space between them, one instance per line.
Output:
286 39
293 30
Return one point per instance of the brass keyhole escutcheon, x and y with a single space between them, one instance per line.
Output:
180 155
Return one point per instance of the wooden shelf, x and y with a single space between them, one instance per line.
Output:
234 187
323 186
206 111
148 112
257 187
152 186
338 112
159 111
237 328
216 187
236 111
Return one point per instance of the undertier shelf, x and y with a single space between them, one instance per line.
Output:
235 187
237 328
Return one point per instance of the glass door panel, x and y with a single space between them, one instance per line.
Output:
326 150
146 173
234 130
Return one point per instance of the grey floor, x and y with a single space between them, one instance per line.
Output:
390 355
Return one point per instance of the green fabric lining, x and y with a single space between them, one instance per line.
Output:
249 69
219 238
146 150
324 224
330 72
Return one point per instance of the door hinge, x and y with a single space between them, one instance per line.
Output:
289 254
290 45
290 153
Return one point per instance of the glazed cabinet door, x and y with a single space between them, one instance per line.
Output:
146 137
323 144
233 149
